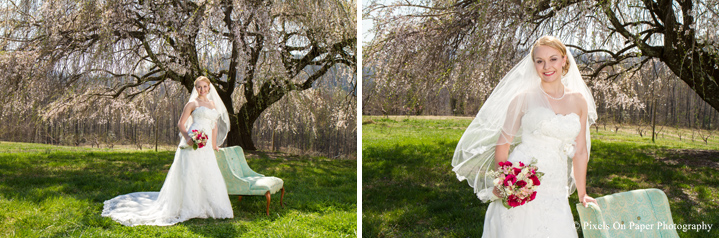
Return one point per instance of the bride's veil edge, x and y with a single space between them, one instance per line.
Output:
474 155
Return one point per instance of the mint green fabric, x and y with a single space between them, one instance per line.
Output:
637 213
240 179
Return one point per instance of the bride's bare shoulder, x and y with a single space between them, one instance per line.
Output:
578 99
191 105
575 95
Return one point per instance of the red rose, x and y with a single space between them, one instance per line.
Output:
501 163
508 163
521 164
531 197
521 183
517 171
513 201
535 180
509 180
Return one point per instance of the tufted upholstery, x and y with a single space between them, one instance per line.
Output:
637 213
240 179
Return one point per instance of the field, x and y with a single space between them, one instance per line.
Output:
52 191
409 189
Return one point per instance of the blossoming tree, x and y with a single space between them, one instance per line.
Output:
259 50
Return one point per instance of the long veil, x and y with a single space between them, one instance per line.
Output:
223 124
498 122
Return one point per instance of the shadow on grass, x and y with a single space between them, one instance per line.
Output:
690 187
409 189
36 180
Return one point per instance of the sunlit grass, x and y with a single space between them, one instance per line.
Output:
409 189
48 191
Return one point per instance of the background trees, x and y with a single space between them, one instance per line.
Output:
640 57
78 56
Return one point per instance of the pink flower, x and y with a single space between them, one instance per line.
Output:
531 197
510 180
535 180
521 164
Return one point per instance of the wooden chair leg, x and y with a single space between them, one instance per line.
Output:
282 196
239 198
267 194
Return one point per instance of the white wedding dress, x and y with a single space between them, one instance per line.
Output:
194 187
548 138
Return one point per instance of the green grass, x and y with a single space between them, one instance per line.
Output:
51 191
409 189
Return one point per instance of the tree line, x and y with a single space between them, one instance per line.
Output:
318 121
649 63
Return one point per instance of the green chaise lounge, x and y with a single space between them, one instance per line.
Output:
637 213
242 180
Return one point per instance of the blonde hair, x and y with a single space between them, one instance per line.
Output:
555 43
203 78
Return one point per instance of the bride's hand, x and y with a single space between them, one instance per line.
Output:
189 142
216 148
587 199
496 192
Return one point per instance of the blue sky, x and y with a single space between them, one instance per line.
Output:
365 26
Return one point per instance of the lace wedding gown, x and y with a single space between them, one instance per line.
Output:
547 137
193 188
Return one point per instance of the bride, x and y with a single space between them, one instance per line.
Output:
194 187
541 110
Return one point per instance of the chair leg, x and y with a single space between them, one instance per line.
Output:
267 194
282 196
239 198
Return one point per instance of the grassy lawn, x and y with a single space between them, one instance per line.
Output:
51 191
409 189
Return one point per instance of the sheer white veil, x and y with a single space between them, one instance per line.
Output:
499 122
223 123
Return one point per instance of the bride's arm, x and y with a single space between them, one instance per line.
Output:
183 118
512 122
501 152
580 159
214 138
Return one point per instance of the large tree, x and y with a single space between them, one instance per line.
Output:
257 49
461 44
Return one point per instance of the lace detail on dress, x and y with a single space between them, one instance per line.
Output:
204 118
193 188
548 138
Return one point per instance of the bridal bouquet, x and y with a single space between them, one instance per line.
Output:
198 137
517 182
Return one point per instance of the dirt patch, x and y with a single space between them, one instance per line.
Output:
691 158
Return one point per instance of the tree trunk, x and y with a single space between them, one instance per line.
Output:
654 120
241 125
157 132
